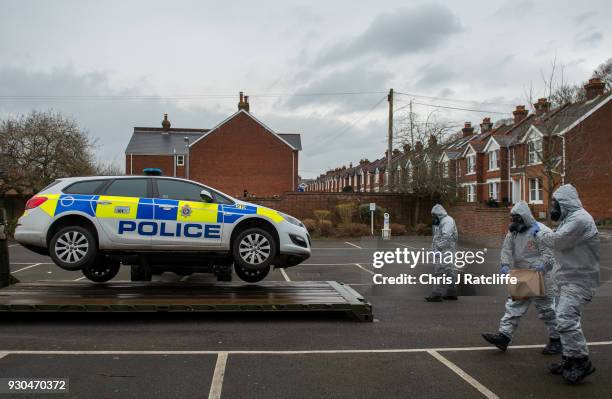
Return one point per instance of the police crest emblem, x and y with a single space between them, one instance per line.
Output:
186 210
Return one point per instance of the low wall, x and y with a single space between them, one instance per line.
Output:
480 226
401 207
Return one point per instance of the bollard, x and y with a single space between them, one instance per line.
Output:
5 271
386 231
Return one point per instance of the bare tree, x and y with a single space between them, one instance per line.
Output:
604 72
40 147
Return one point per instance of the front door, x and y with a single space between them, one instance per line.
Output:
185 220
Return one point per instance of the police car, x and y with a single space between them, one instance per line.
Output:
156 224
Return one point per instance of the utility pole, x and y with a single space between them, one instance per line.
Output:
411 125
390 140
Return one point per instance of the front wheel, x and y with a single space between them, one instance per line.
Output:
103 270
73 247
253 251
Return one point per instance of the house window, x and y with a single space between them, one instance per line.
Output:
471 164
180 160
494 190
445 169
471 192
494 160
535 190
513 156
535 151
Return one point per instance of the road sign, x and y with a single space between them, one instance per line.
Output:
372 206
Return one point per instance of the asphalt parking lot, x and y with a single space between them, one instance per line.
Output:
413 349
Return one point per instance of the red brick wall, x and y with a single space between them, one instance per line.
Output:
241 155
301 205
480 226
134 164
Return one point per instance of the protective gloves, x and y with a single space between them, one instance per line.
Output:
505 269
540 268
535 229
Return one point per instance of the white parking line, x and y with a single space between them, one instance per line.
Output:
350 243
13 245
331 264
80 278
468 378
284 273
363 268
2 354
27 267
275 352
407 246
217 379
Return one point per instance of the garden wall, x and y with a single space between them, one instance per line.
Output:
480 226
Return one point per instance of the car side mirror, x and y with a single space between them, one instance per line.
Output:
206 196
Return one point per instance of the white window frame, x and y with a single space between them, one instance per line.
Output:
445 168
513 156
494 190
470 192
539 197
493 159
180 160
470 162
536 152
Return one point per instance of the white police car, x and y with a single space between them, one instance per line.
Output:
157 224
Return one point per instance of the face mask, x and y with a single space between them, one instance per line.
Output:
517 224
555 212
435 221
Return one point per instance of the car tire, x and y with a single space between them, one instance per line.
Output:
254 251
103 270
73 247
251 275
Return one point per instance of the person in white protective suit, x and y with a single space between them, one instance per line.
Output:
520 251
576 247
444 240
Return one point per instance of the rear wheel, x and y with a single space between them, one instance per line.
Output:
253 250
103 270
73 247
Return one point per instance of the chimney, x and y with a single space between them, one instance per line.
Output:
542 106
418 146
166 123
467 130
396 151
519 113
432 141
244 102
386 153
486 125
595 87
406 148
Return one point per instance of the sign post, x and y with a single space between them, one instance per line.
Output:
372 210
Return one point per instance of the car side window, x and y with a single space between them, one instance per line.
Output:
128 188
179 190
84 187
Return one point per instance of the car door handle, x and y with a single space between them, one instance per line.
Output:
167 207
105 202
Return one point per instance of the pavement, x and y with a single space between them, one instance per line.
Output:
412 349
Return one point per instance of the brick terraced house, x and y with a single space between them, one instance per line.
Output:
240 155
523 160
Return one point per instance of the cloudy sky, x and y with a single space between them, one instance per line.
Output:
113 65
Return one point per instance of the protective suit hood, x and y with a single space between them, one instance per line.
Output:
522 209
439 211
568 200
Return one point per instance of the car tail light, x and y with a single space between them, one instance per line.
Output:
35 202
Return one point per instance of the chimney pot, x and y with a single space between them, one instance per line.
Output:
542 106
595 87
406 148
486 125
243 104
519 113
166 123
467 130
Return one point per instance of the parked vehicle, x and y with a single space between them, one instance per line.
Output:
157 224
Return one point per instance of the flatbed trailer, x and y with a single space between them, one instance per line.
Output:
294 296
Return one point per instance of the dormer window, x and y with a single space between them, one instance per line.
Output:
494 160
535 151
471 164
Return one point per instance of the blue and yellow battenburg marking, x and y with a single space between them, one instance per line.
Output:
134 208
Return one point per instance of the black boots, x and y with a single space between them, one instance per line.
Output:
573 369
500 340
553 347
557 368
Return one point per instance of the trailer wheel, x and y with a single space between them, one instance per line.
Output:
73 247
251 275
102 270
140 273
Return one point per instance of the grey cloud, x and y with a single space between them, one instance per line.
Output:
108 120
394 34
588 39
434 76
342 80
580 18
514 9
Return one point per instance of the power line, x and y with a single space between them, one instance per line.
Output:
464 109
454 99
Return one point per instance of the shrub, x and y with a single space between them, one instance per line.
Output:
310 225
422 229
364 214
321 215
325 228
352 230
347 189
346 212
398 229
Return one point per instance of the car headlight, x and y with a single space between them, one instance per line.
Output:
292 220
